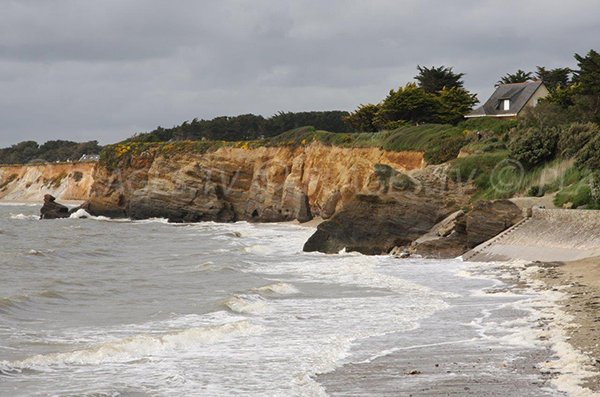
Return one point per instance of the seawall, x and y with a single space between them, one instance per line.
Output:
30 182
548 235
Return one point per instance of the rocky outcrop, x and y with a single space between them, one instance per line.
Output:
264 184
462 231
53 210
30 182
374 224
446 239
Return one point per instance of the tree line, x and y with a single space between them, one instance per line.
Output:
247 126
51 151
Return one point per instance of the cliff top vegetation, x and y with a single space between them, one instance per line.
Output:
51 151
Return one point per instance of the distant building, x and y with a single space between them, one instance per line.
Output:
509 100
89 157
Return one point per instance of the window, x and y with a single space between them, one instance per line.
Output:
506 104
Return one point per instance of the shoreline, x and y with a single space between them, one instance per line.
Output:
579 283
31 203
573 292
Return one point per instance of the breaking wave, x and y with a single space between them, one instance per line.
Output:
135 347
278 289
247 304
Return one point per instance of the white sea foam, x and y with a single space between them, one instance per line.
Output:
17 204
545 324
83 214
135 347
247 304
23 217
278 289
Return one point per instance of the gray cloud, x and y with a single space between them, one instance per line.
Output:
103 70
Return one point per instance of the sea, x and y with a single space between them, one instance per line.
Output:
97 307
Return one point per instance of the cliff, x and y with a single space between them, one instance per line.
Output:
30 182
229 183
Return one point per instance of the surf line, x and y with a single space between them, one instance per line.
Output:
397 349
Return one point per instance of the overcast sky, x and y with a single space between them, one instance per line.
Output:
104 69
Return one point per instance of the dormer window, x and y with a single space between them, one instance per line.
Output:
506 104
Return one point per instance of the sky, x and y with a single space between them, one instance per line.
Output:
105 69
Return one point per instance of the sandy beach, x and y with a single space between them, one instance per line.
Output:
579 281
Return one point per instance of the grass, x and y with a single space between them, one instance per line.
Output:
575 195
438 142
488 124
496 176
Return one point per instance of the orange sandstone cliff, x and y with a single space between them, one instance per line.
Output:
235 183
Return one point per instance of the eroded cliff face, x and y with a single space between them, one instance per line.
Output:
230 183
30 182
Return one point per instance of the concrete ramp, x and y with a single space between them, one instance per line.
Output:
548 235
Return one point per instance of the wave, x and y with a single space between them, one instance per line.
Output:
247 304
134 348
9 303
23 217
280 288
259 249
12 302
17 204
83 214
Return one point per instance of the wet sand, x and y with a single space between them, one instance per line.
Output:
580 281
480 354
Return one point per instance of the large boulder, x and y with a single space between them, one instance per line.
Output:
462 231
447 239
490 218
374 225
53 210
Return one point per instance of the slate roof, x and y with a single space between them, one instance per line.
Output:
518 93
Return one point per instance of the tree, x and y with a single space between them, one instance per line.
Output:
408 103
587 81
520 76
534 146
554 78
363 118
455 103
588 75
432 80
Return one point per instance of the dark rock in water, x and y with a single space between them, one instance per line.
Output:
373 225
53 210
462 231
98 209
304 213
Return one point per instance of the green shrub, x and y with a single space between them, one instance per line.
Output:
574 137
589 155
401 182
383 171
476 168
497 126
77 176
536 191
534 146
578 194
440 152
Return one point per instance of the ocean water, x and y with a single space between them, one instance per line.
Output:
92 307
